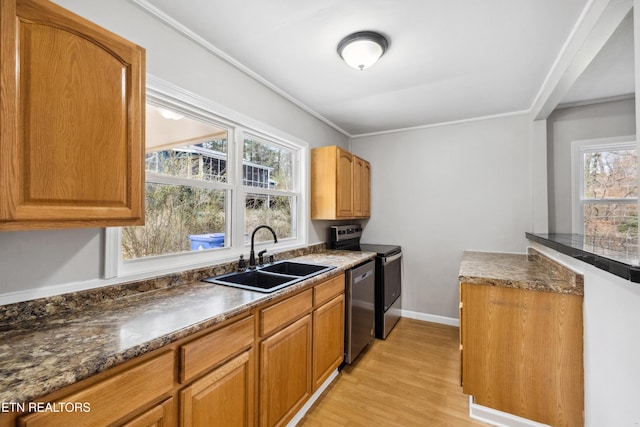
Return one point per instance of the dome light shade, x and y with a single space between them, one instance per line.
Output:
362 49
171 115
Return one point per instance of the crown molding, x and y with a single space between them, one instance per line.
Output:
179 27
441 124
595 101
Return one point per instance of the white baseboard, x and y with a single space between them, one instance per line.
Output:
451 321
303 411
499 418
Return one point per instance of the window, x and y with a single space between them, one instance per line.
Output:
606 188
209 183
185 191
268 178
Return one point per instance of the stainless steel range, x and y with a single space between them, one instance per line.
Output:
388 274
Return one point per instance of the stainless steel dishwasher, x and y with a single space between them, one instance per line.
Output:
359 311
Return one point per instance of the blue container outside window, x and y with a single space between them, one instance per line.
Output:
201 242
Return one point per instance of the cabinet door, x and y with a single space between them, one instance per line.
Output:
358 166
328 339
285 373
71 141
344 184
361 187
522 352
460 332
222 398
159 416
365 189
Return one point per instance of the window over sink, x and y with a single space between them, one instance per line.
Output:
209 183
185 188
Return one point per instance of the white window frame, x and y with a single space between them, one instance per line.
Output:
578 148
297 180
163 94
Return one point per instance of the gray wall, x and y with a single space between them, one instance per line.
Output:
442 190
39 260
594 121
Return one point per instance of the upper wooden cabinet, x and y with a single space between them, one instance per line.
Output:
71 121
340 184
361 187
344 184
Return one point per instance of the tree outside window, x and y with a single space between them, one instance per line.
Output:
270 194
608 186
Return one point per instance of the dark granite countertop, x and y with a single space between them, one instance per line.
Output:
531 271
43 352
616 256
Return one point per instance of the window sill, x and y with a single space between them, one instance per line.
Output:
146 268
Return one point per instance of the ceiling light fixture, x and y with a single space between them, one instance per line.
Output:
171 115
362 49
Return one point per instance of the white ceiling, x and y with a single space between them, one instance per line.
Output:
447 60
610 73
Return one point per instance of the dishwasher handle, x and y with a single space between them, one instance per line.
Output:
363 276
388 260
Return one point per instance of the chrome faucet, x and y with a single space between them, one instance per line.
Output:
252 255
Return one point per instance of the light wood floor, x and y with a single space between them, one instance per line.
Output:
410 379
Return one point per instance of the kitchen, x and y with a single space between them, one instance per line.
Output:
488 204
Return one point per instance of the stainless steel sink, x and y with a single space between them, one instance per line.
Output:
271 277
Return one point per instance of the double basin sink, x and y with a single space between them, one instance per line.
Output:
272 277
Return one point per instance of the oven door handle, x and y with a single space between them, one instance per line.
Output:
388 260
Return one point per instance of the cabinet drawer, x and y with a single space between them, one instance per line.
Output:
114 397
282 313
211 349
327 290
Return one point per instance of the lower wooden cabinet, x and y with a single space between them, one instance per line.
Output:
203 353
522 352
328 339
257 369
223 397
285 372
284 312
161 415
303 343
113 398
